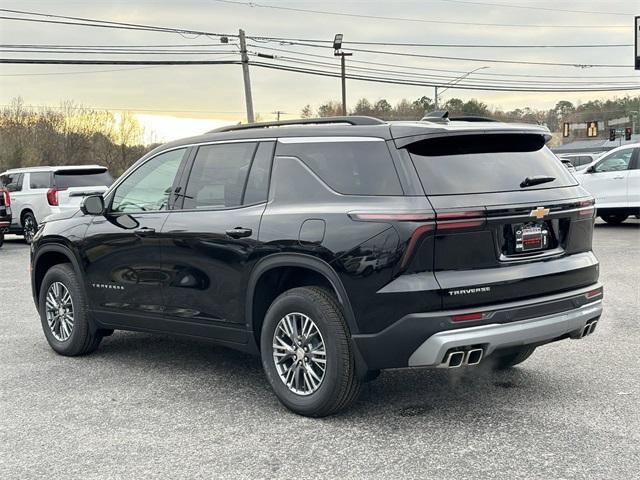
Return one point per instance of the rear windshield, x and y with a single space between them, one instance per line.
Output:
83 178
486 163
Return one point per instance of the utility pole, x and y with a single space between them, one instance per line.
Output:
435 99
337 45
245 75
278 113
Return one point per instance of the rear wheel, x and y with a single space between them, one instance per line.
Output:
614 218
306 353
513 358
29 226
63 313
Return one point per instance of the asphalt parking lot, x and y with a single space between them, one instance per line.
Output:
147 406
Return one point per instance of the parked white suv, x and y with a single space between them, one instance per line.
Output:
37 192
614 180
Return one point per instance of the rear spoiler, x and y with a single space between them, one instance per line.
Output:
407 140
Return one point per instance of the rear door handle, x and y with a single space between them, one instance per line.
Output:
239 232
619 178
144 231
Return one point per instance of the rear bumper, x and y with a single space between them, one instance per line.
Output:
496 336
423 339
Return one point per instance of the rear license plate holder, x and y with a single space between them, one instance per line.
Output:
531 236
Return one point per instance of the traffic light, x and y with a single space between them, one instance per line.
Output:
612 134
627 133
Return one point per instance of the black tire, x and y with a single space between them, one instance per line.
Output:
614 218
513 358
340 385
29 226
83 338
1 238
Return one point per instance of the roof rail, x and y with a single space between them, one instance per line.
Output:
471 118
350 120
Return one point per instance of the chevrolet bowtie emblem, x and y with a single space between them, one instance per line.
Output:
539 212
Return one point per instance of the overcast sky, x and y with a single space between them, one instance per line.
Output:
215 92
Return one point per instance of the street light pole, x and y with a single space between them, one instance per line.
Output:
337 47
451 83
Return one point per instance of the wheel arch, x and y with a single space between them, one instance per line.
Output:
318 270
47 257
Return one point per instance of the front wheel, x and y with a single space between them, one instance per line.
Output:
306 352
614 218
63 313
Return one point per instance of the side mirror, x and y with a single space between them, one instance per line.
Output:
591 169
92 205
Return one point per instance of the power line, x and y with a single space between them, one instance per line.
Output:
440 45
89 22
426 69
414 20
554 10
439 78
395 81
468 59
429 84
75 73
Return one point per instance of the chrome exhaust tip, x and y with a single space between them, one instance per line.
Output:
473 356
453 360
592 327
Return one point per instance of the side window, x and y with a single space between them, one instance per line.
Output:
258 182
148 188
615 162
12 181
218 175
39 180
348 167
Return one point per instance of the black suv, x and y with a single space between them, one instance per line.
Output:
333 248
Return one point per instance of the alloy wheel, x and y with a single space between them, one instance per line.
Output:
299 353
59 311
29 228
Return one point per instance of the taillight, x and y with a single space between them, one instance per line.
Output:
587 207
52 196
7 197
392 217
459 219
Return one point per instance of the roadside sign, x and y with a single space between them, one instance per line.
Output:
566 130
592 129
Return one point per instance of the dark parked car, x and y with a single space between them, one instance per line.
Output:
333 248
5 212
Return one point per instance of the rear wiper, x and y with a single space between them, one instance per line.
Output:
537 180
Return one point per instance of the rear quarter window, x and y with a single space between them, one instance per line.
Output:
362 167
39 180
469 164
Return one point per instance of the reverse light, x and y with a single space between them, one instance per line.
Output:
52 196
465 317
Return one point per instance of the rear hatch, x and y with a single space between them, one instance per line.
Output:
72 185
511 221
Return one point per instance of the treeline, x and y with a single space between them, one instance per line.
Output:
70 135
564 111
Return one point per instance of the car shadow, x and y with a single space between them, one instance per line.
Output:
627 224
404 393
